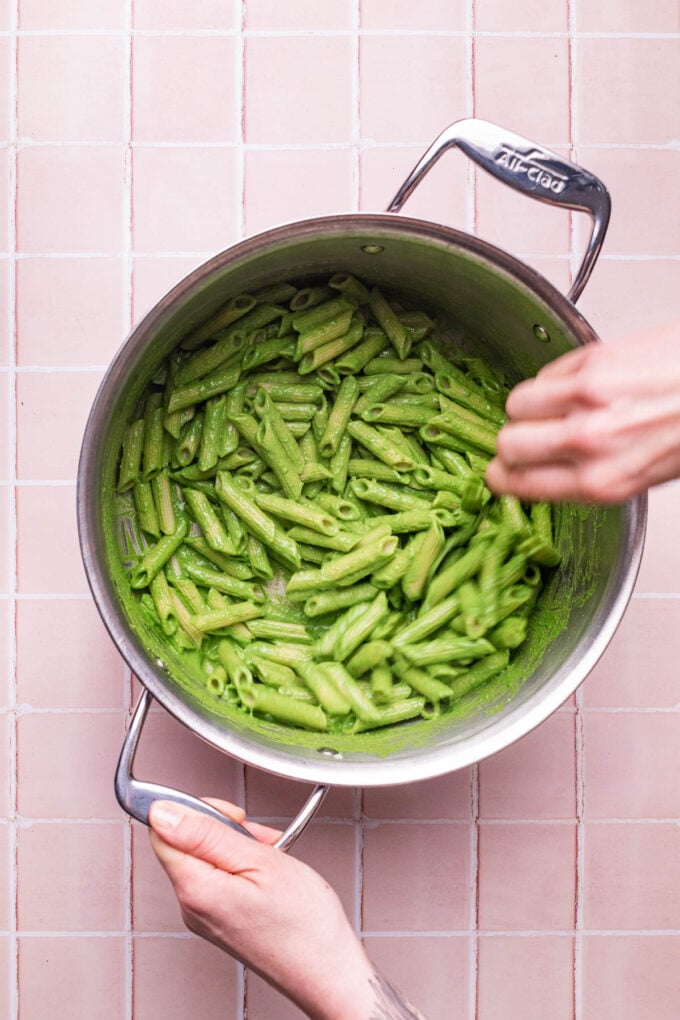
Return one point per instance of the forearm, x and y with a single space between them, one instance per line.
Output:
367 996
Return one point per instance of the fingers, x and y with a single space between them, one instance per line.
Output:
201 837
263 833
556 483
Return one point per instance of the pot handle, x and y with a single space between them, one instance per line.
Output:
136 796
529 168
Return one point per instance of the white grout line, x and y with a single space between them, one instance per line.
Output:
318 145
298 33
356 106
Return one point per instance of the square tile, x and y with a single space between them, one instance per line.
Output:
518 224
437 15
272 797
442 195
308 183
7 974
639 225
60 322
70 89
6 189
61 206
5 623
628 16
433 973
67 763
61 572
330 848
407 889
71 877
529 16
4 303
55 405
185 199
631 976
631 296
413 107
527 877
6 733
153 277
631 765
5 77
506 94
535 777
65 658
631 876
302 15
154 905
185 15
6 910
266 1003
6 544
184 89
178 978
170 754
45 15
611 105
6 8
281 107
526 977
85 976
446 797
639 669
5 391
661 558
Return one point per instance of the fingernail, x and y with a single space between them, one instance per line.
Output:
164 814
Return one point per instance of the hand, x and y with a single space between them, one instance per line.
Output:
598 425
270 911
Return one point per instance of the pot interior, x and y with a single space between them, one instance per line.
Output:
504 311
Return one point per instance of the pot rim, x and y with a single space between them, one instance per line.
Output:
432 762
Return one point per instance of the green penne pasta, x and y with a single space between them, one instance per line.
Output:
352 288
155 557
313 360
377 444
256 521
225 350
220 381
131 457
339 416
146 508
357 358
390 324
227 616
210 524
322 602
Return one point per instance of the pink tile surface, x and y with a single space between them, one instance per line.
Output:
300 15
76 15
529 16
129 174
611 106
184 15
59 322
638 670
417 105
630 763
441 197
66 764
60 203
60 402
436 15
535 974
433 972
506 94
85 975
447 797
184 89
631 976
74 664
308 183
206 218
71 877
392 851
178 977
69 88
281 108
632 876
535 778
62 570
526 876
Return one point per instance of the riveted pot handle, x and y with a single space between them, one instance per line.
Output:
529 168
136 796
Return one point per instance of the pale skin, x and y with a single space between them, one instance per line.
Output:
598 425
271 912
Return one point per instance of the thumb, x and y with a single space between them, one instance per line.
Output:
201 837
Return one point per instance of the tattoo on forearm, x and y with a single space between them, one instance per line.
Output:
390 1004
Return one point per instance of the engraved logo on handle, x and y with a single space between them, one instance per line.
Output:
533 166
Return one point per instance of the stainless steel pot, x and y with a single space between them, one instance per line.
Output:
515 319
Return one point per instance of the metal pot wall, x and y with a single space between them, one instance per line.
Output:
518 321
